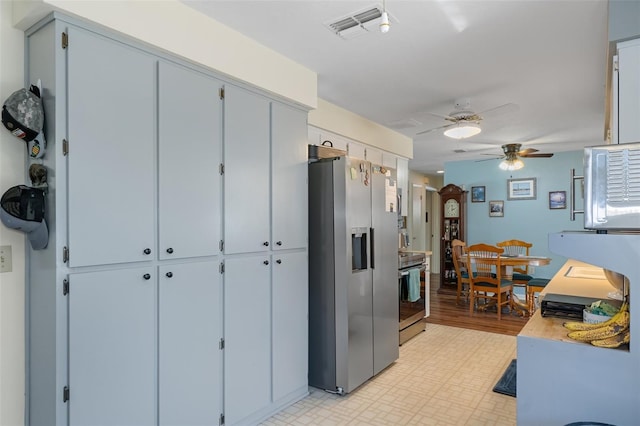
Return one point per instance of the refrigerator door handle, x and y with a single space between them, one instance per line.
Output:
371 246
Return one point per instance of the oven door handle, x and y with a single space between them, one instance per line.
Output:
405 272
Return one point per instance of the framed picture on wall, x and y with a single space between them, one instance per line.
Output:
477 194
496 208
521 189
558 200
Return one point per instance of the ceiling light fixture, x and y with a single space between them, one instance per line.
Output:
384 19
512 162
462 130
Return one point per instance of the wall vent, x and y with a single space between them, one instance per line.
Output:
357 23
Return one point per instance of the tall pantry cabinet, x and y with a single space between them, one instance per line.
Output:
144 306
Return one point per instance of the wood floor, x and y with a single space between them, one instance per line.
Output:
445 311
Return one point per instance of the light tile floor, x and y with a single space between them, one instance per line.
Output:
444 376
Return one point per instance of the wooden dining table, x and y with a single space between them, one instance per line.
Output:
508 263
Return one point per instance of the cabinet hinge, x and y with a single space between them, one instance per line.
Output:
615 64
65 287
65 394
221 93
221 245
221 345
221 168
221 422
65 147
222 268
65 254
65 40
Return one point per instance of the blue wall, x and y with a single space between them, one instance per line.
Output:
527 220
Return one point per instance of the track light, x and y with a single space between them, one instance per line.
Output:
384 23
384 19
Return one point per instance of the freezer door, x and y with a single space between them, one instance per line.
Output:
360 288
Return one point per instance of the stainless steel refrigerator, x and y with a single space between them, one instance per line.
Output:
353 267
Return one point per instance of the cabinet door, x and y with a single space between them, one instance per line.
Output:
247 334
289 177
190 145
111 114
112 347
290 323
246 171
190 329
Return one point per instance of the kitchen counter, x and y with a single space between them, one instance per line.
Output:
561 381
574 278
427 253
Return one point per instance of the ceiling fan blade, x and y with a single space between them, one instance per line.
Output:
487 159
499 110
445 117
537 155
434 129
527 151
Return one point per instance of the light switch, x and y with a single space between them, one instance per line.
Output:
5 259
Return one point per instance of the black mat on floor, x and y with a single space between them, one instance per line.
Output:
507 383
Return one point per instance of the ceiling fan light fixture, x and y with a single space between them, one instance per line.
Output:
462 130
511 164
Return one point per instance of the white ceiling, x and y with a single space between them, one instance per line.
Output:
547 57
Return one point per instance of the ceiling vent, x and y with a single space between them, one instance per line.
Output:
356 23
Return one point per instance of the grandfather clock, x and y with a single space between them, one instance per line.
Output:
452 226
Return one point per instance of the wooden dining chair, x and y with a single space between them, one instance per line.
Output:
534 286
460 265
517 248
485 277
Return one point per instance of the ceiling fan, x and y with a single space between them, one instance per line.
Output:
464 122
513 153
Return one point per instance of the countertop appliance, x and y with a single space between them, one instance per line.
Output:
353 265
612 187
412 312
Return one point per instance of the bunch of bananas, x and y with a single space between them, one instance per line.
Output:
609 334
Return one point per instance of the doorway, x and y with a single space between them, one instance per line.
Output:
421 218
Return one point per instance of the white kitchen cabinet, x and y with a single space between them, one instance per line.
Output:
189 154
246 171
129 312
111 115
189 333
290 294
112 347
247 330
626 97
289 186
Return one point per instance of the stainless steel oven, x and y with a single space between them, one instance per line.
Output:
412 294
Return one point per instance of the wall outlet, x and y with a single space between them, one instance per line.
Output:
5 259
